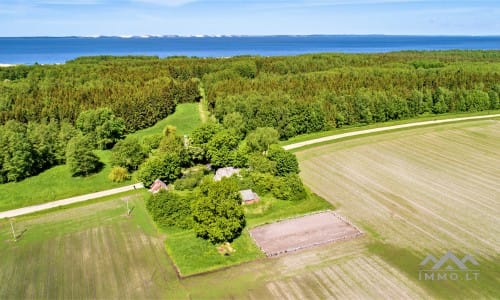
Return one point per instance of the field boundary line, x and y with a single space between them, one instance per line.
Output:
381 129
63 202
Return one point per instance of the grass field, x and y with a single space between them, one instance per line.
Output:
57 183
185 119
92 251
420 191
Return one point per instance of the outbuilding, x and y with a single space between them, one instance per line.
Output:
157 186
249 197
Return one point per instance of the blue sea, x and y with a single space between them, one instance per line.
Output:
51 50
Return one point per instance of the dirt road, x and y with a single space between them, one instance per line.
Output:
40 207
367 131
63 202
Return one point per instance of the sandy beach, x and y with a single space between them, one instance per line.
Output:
6 65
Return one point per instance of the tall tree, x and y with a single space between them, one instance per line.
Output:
128 153
80 156
16 152
261 138
220 147
102 126
218 215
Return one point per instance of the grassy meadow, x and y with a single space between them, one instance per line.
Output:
186 118
54 184
57 183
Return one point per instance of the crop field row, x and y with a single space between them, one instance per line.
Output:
428 190
85 252
362 277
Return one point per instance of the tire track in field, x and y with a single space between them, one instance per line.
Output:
472 182
463 189
368 205
428 182
420 163
379 187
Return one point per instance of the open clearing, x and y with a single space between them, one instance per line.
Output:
303 232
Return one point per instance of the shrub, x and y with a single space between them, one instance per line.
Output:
288 188
189 181
118 174
165 167
285 162
262 183
151 142
170 209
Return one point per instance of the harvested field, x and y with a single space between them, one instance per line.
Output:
303 232
431 188
419 191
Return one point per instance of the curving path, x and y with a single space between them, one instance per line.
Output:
63 202
367 131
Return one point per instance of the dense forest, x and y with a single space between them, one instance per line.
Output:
44 107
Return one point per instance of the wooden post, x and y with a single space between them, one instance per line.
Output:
128 209
13 231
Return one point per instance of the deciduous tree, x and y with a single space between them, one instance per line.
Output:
80 156
218 215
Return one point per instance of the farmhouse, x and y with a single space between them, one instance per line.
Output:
157 186
249 197
225 172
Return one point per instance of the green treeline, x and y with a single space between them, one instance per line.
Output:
310 93
141 91
40 105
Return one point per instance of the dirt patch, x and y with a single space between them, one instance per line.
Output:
303 232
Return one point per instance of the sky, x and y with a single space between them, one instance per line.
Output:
250 17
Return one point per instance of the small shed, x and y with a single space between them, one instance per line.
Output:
157 186
225 172
249 197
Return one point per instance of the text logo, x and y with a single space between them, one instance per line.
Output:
449 267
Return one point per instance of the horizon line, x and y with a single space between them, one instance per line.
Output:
146 36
